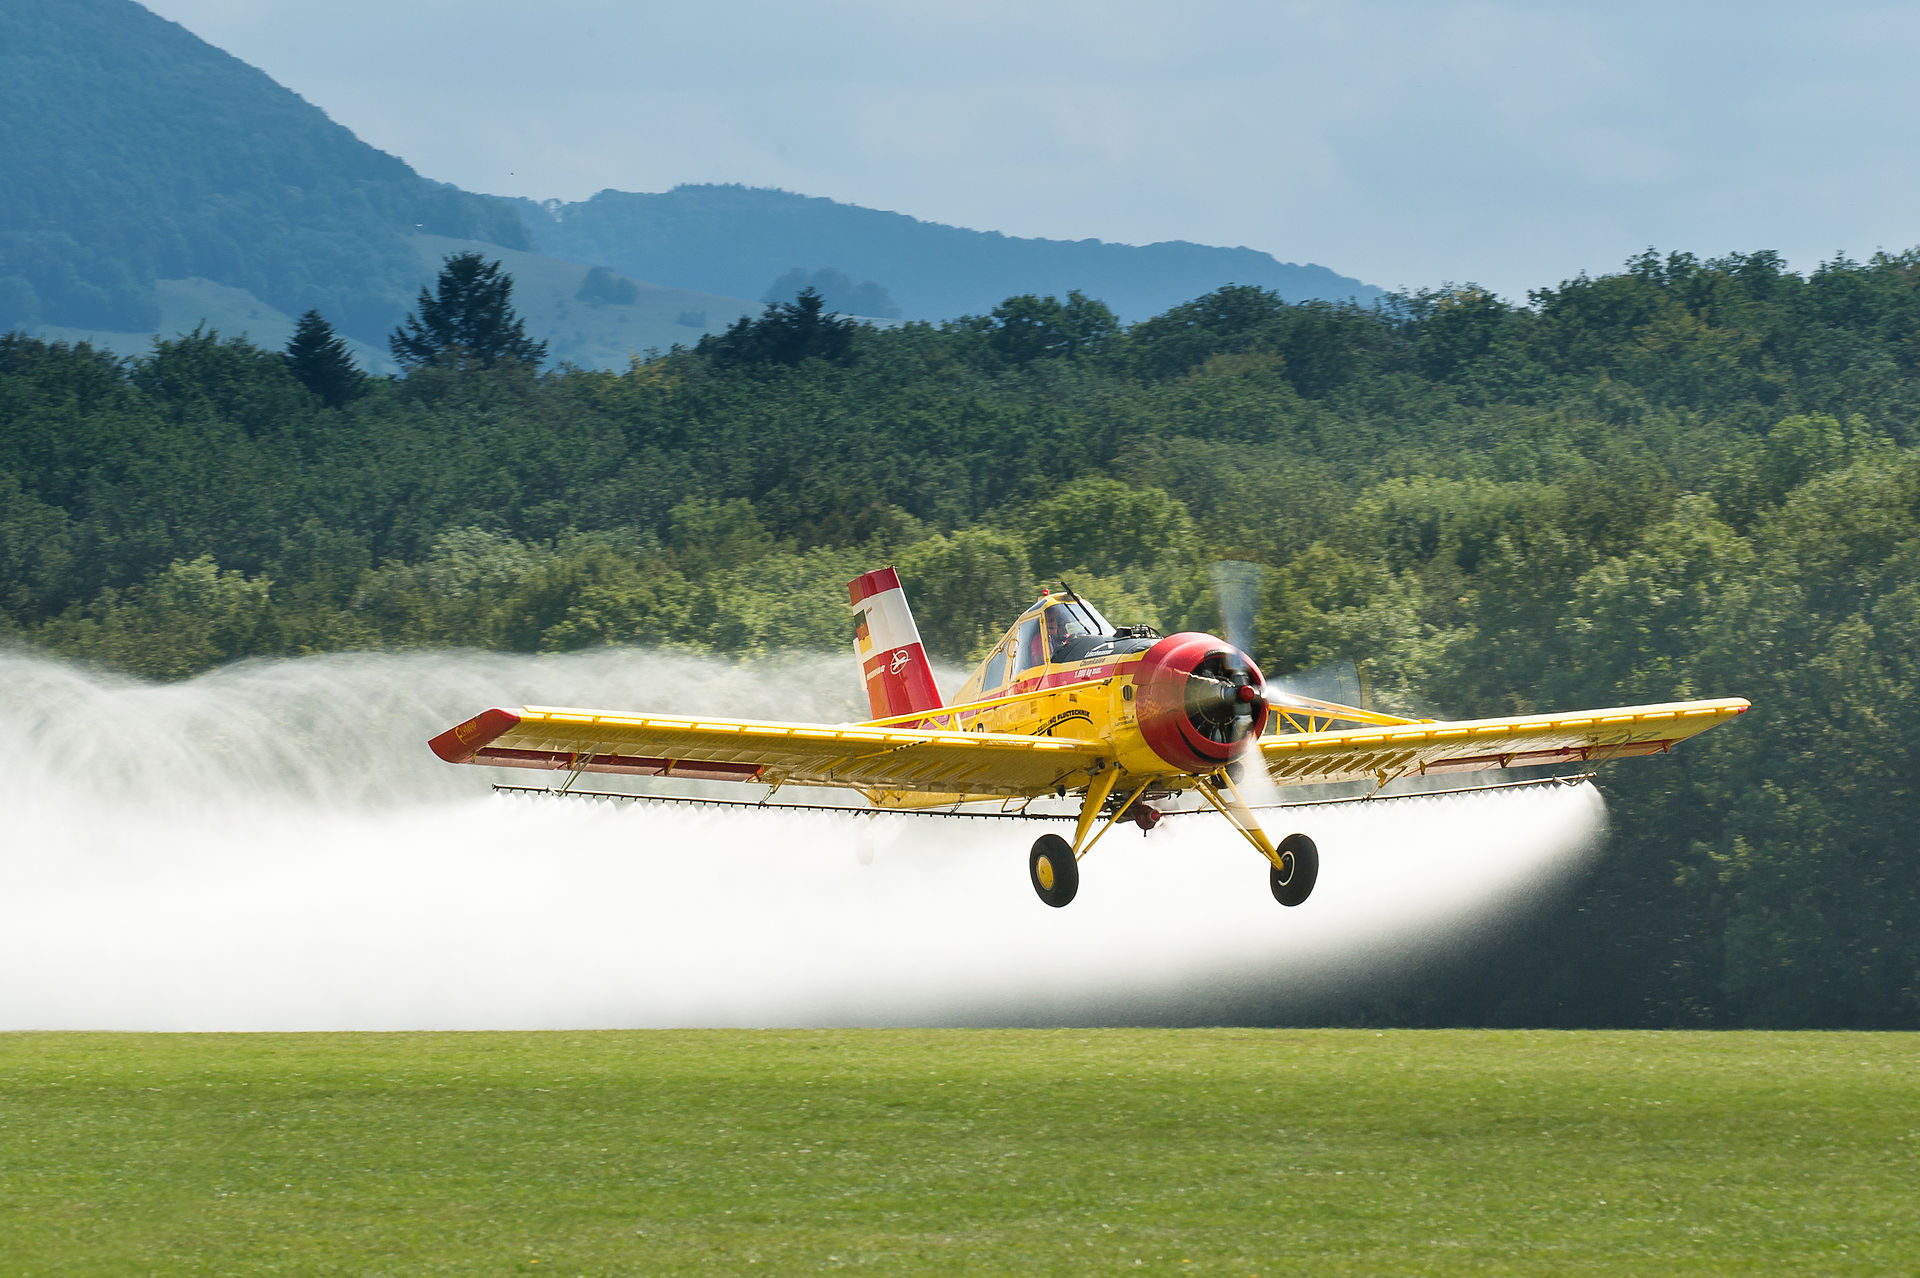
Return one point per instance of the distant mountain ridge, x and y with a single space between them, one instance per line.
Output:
148 174
737 239
137 152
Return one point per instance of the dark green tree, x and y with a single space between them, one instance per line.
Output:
1029 328
319 360
786 333
1232 320
467 319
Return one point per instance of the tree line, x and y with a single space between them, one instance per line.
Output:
1686 478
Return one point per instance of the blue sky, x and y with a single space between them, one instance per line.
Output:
1407 144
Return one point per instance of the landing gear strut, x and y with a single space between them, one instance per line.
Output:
1293 865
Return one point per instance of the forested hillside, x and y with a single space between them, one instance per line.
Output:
1685 479
136 152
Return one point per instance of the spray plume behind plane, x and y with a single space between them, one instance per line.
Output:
267 847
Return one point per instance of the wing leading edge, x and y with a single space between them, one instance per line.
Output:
876 759
1423 749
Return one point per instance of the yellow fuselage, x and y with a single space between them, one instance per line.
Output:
1020 688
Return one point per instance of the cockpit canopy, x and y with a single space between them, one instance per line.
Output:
1056 628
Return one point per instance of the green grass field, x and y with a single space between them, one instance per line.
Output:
1216 1151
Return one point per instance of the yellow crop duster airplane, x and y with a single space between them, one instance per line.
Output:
1067 704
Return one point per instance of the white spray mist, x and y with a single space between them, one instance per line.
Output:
272 847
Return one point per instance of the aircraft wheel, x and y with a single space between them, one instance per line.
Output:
1293 878
1055 874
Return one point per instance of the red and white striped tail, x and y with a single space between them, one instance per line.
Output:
893 663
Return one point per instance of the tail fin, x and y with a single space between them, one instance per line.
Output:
893 663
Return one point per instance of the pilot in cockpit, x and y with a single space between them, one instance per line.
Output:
1062 623
1056 629
1066 622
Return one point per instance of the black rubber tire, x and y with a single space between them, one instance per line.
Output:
1054 873
1302 860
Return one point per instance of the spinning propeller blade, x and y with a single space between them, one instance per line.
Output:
1236 587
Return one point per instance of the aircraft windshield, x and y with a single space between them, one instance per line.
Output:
1078 617
1064 623
1040 638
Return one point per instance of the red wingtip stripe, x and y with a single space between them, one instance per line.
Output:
869 584
461 742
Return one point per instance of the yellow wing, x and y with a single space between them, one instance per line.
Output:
907 760
1384 754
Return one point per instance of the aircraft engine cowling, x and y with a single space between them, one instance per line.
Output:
1199 701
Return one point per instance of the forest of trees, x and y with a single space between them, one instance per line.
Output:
1688 478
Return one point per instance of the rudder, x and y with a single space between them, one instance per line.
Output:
893 662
